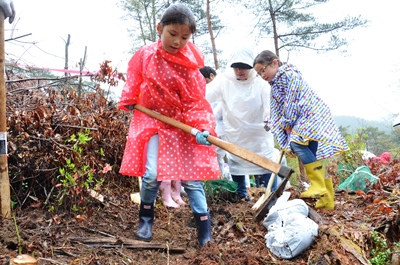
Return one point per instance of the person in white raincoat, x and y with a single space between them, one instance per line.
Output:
209 74
245 105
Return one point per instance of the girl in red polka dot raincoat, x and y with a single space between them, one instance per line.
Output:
165 77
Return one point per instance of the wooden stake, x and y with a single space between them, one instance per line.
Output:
4 180
267 190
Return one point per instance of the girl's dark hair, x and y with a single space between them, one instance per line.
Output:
179 14
266 57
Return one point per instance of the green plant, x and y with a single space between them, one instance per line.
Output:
18 235
381 252
77 176
352 159
396 246
13 204
101 153
293 163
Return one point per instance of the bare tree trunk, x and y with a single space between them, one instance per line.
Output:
81 66
66 53
272 14
65 90
214 48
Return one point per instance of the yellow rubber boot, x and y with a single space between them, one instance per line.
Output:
327 202
316 176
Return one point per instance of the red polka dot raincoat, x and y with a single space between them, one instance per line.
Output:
172 85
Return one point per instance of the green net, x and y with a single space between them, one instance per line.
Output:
215 187
360 179
252 182
345 170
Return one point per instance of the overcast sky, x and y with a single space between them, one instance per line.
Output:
364 82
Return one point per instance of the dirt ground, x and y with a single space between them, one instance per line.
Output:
105 235
42 134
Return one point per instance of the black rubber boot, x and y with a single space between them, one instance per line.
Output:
146 220
203 224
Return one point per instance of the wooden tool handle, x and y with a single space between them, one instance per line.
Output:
273 176
229 147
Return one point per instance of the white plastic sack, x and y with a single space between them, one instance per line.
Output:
283 207
291 235
290 231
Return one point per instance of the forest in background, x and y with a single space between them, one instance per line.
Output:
353 123
376 137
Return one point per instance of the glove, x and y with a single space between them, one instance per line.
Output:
8 9
266 126
201 138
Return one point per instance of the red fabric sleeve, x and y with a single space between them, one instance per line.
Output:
131 91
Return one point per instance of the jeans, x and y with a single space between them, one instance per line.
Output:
241 189
306 153
150 185
264 179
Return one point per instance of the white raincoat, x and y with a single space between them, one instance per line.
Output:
245 106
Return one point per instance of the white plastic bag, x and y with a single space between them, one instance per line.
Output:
284 208
290 231
291 235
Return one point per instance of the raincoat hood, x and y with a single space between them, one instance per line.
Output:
242 55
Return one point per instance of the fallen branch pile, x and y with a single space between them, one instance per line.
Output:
42 120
